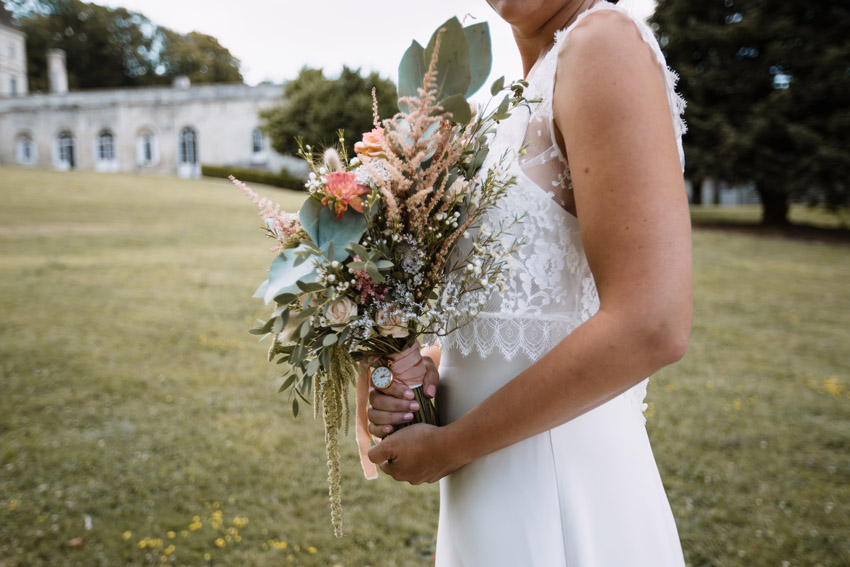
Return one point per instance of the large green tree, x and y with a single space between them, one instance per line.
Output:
109 48
316 107
768 91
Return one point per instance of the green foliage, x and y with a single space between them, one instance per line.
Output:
281 179
463 64
133 394
734 57
317 107
113 47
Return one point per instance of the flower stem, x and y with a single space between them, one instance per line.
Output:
426 413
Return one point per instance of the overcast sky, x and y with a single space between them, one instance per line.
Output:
275 38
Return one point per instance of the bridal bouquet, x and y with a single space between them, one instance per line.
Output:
392 245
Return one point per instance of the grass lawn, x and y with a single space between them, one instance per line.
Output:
140 420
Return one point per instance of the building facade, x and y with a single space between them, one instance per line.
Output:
13 57
166 130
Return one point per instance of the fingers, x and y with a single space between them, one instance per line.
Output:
432 378
396 390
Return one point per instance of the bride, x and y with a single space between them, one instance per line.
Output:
544 459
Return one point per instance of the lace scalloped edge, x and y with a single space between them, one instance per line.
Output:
510 336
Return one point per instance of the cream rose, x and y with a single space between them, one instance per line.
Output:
341 312
391 326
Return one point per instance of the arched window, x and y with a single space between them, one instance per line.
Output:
105 146
25 150
65 154
188 146
257 141
146 148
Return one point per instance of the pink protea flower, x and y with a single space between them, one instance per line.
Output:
343 191
372 144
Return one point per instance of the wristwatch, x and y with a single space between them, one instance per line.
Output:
382 377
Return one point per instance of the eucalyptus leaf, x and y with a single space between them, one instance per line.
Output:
286 298
304 329
480 55
458 106
261 291
284 275
453 75
329 340
295 407
323 227
411 70
313 366
278 325
497 85
287 383
384 264
373 272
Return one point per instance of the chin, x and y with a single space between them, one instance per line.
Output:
519 11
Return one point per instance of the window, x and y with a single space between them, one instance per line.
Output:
25 150
65 147
257 141
188 146
146 150
13 86
105 146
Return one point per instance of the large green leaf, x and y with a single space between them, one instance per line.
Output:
459 107
324 228
453 76
480 55
411 70
284 274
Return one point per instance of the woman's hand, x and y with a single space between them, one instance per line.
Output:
416 454
395 405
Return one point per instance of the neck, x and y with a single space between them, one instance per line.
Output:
535 39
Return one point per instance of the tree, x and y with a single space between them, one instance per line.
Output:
200 57
108 48
768 91
316 107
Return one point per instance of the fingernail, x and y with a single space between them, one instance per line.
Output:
431 390
408 394
408 416
388 429
414 406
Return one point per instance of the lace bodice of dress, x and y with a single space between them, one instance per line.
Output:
552 290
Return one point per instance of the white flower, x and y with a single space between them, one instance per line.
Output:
341 312
391 326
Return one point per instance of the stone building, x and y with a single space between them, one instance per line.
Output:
13 57
168 130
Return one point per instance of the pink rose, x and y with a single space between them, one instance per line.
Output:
371 146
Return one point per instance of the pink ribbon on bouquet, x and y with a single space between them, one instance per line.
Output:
409 369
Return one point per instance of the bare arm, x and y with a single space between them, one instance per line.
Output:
611 106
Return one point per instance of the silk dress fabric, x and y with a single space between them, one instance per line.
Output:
587 493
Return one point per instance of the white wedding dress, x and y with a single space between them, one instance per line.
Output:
587 493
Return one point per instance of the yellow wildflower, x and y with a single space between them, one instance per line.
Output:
127 535
311 549
207 556
170 549
220 542
171 535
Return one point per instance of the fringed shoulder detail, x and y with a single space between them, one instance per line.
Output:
675 100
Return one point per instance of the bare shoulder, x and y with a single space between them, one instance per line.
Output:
608 75
608 36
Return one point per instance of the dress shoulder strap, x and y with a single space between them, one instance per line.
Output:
677 103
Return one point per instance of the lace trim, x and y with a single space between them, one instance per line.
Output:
511 336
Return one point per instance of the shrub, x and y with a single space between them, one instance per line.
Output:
283 178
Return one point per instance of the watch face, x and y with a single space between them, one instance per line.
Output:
382 377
